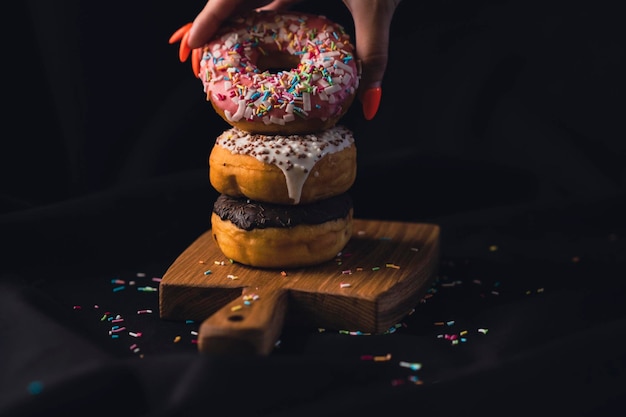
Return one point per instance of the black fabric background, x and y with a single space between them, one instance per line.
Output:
501 121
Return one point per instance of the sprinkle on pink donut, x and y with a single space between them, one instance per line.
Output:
325 75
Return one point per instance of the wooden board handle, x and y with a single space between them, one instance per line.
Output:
250 324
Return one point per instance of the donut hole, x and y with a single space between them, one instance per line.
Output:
276 62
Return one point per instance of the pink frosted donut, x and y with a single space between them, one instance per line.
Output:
281 73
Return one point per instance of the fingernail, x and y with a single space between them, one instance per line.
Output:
195 61
184 50
371 101
178 35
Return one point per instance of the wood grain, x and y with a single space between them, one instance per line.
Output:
377 280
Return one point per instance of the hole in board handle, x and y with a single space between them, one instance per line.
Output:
235 317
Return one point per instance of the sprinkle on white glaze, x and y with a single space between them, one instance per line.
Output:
295 155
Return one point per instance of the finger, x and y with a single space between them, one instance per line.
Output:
196 56
209 20
279 5
178 35
372 20
183 50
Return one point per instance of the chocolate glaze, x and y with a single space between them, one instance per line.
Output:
249 214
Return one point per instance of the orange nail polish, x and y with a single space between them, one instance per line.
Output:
195 61
371 101
178 35
184 50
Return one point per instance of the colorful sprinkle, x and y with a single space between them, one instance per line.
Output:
320 81
117 329
415 366
35 387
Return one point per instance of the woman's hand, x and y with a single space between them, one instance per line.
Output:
372 21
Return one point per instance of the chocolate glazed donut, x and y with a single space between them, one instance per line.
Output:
281 236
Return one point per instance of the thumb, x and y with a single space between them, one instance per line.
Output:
372 20
209 20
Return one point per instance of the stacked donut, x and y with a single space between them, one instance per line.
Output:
282 80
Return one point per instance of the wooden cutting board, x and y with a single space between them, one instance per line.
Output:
377 280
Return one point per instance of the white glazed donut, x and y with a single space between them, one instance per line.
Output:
296 169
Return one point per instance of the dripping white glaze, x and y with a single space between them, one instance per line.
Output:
295 155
